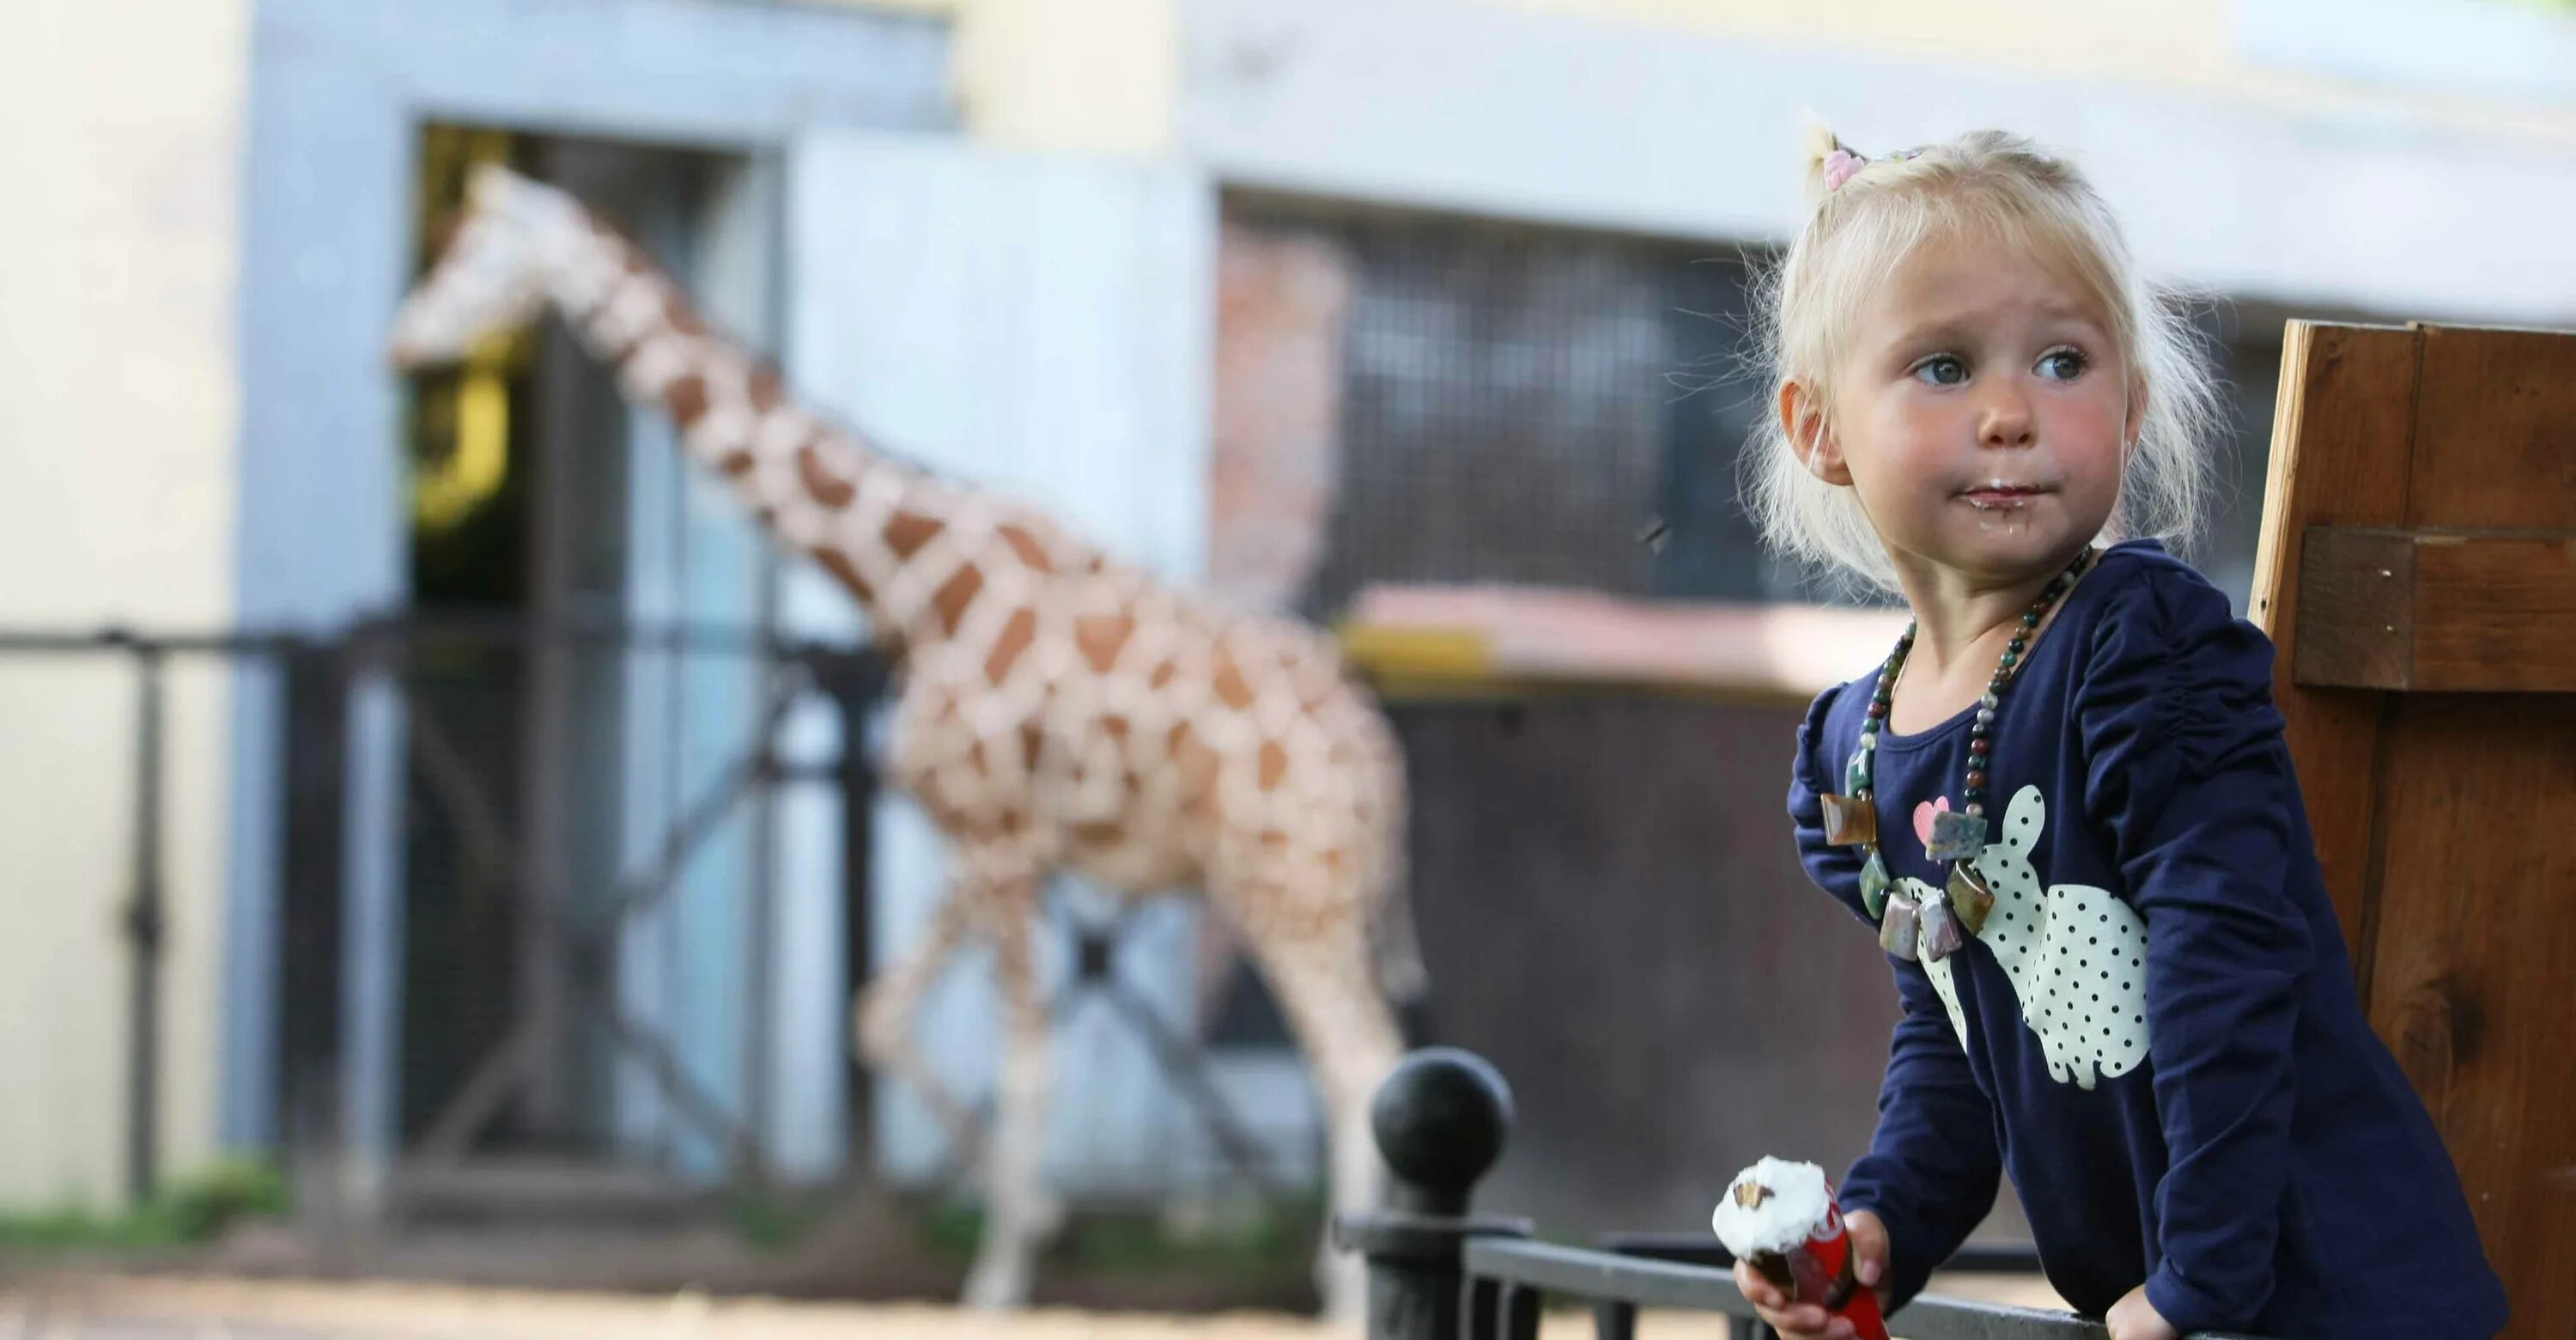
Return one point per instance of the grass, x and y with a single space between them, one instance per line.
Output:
189 1211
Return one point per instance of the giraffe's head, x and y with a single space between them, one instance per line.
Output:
493 270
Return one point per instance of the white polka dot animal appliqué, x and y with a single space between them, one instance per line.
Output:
2076 955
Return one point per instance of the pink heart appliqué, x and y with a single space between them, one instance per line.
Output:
1923 817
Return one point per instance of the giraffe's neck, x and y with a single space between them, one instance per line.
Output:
903 542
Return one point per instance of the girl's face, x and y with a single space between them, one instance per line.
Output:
1982 411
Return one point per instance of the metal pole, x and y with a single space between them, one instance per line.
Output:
855 681
1440 1120
144 926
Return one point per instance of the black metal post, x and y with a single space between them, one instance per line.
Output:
1440 1120
313 785
855 682
144 925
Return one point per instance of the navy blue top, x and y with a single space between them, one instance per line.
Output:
2156 1033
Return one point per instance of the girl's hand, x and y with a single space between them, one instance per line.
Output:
2134 1318
1808 1320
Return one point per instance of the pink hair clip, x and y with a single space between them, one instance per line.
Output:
1841 166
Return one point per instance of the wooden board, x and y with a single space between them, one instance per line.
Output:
2437 610
2339 457
2436 813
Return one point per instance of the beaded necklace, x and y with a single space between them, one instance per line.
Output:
1949 915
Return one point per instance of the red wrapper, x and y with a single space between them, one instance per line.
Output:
1822 1271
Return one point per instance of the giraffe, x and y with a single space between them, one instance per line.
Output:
1057 709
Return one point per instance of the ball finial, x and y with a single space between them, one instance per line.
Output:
1440 1119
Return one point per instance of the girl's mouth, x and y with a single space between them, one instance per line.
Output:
2000 495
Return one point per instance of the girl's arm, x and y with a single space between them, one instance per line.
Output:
1933 1165
1932 1168
2187 772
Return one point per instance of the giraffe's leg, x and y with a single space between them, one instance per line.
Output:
1019 1214
1324 984
890 1005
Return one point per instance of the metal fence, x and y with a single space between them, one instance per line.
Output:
1437 1271
506 960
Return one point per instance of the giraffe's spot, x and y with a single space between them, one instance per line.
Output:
1101 637
1032 740
681 317
1336 860
735 463
1274 838
1163 674
766 390
1106 834
1274 764
955 594
908 531
839 565
828 489
687 400
1026 546
1115 727
1015 638
1189 753
1232 688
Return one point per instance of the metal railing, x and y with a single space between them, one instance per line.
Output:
316 671
1437 1272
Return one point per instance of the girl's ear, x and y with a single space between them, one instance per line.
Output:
1803 414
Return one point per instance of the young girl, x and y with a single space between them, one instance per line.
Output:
2063 804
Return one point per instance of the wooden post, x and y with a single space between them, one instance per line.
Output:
2419 550
1440 1120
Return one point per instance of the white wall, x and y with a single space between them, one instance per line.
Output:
2379 203
118 250
1040 324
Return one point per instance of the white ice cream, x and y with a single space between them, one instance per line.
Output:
1791 1201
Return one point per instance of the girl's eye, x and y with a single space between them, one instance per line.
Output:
1941 370
2063 365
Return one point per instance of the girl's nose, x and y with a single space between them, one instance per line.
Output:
2005 418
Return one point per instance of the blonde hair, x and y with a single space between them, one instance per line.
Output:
1856 236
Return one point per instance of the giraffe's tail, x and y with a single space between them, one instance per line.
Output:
1395 949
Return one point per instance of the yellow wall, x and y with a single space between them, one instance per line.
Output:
120 147
1084 76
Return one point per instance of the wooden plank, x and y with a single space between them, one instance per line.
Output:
2476 891
2495 429
2356 608
2476 932
2438 610
2345 407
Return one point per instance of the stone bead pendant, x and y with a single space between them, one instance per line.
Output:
1850 821
1970 900
1941 937
1873 885
1896 929
1957 836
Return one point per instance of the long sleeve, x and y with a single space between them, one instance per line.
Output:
2187 774
1933 1165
